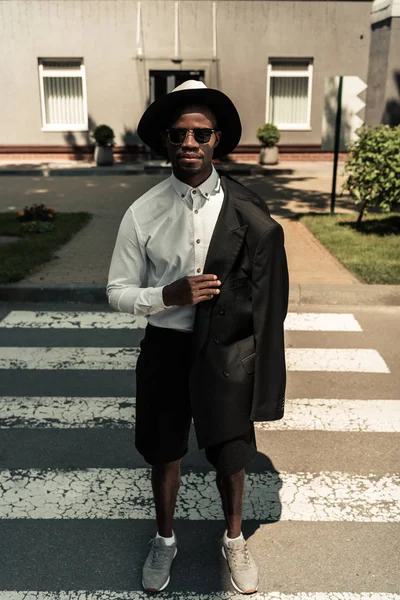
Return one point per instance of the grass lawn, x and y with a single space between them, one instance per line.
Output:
370 250
19 256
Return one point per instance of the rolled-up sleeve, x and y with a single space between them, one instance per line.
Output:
127 276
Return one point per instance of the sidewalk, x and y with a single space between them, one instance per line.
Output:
59 168
79 270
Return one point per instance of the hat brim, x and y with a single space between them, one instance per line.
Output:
158 116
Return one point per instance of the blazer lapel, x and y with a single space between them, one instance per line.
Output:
226 242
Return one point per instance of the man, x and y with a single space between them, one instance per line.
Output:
201 257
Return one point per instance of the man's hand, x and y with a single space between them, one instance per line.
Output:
191 290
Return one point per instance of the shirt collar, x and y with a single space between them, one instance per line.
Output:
206 189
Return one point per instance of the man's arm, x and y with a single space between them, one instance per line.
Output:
128 273
270 301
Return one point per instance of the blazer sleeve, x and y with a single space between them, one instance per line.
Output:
270 292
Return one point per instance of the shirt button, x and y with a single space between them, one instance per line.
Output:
225 373
221 310
194 191
216 340
199 270
182 195
196 212
197 241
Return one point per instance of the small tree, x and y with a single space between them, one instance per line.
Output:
268 135
104 135
373 168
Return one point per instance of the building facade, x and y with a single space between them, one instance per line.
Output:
383 99
69 65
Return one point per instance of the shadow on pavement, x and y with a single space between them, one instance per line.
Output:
285 199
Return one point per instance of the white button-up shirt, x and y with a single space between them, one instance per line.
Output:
163 236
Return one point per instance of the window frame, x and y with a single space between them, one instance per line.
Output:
286 73
63 72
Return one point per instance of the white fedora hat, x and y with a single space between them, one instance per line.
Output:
158 116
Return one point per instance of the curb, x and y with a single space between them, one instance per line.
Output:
71 292
358 294
299 294
143 169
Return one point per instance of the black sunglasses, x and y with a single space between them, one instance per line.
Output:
177 135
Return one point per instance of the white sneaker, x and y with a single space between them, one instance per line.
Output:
243 568
157 566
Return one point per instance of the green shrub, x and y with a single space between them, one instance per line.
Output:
268 135
373 168
104 135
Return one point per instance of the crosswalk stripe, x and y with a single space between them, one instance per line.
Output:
337 415
117 412
66 412
72 320
109 320
68 358
126 494
321 322
139 595
356 360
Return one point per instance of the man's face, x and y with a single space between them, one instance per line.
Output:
191 157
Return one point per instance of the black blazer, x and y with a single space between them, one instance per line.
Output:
238 373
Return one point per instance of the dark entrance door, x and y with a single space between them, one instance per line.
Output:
163 82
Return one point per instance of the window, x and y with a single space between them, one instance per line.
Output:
162 82
63 95
289 84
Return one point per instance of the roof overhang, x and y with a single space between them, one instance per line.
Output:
384 9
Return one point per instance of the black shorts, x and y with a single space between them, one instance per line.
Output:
163 411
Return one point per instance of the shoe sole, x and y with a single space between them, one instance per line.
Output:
250 591
155 590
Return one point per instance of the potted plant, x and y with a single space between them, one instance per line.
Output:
104 137
269 136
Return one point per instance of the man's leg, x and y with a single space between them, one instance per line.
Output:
163 417
231 489
165 480
230 459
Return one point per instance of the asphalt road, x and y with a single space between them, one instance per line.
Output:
306 190
322 512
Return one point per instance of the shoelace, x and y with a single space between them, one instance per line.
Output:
240 557
159 556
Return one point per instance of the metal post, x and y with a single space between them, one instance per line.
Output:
337 143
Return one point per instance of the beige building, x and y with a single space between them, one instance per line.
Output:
68 65
383 104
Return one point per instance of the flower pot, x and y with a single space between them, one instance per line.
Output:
269 156
103 156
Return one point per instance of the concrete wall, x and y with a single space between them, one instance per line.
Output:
328 32
103 33
378 69
391 113
335 34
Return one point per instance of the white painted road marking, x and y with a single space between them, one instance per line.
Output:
338 415
303 414
110 320
66 412
321 322
354 360
139 595
72 320
297 359
126 494
68 358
